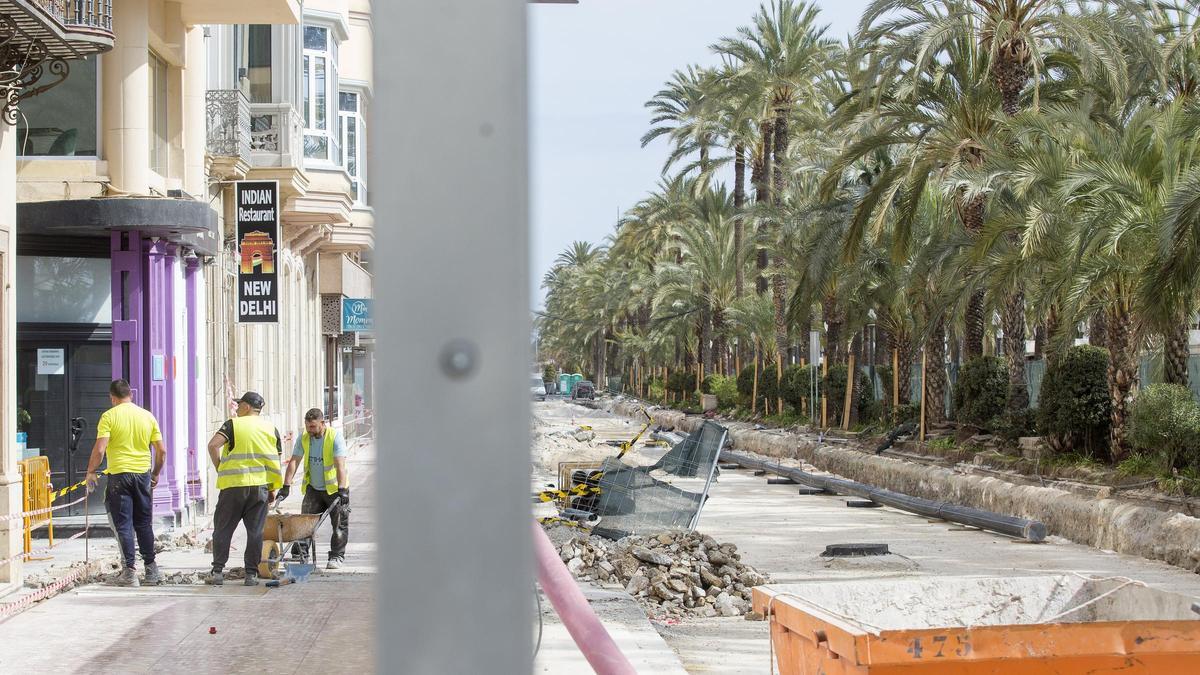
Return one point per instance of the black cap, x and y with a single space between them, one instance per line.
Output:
251 399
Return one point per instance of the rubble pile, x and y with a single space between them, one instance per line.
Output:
673 575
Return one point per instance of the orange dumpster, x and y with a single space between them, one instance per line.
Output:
1043 625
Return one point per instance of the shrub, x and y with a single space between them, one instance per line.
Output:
681 382
835 391
725 389
549 374
1074 409
1164 422
797 385
981 391
657 391
766 382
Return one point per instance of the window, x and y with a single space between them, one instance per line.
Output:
158 114
321 139
353 140
253 45
62 121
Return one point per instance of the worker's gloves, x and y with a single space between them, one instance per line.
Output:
344 497
283 493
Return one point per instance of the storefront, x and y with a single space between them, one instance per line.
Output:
112 288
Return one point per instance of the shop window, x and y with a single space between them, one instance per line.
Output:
61 122
54 289
319 71
158 114
353 143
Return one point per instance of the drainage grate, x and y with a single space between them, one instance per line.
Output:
854 550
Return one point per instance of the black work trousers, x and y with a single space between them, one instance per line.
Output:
318 501
246 505
130 503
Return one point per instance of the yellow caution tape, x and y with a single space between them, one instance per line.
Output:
577 491
55 494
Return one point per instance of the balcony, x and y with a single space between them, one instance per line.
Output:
228 132
276 135
39 40
258 135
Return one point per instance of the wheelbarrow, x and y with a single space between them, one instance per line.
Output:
284 529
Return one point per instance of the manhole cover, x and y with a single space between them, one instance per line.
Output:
854 550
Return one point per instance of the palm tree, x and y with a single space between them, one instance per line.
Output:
682 112
783 55
1128 165
926 124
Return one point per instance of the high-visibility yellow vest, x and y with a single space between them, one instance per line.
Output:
331 486
253 458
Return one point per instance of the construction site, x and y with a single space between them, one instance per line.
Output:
794 552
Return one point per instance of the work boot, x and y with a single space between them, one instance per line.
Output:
153 576
334 564
251 579
128 577
215 578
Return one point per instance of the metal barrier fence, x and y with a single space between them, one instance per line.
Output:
37 493
668 494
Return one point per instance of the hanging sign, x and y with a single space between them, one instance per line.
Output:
256 212
356 315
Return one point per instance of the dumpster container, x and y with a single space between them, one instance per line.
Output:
1039 625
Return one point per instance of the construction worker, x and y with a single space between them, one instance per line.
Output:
125 434
245 451
326 482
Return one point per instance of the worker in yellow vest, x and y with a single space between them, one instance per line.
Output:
245 452
326 483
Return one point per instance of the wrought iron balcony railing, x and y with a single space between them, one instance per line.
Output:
70 13
228 114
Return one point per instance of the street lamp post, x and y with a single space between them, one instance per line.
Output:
871 325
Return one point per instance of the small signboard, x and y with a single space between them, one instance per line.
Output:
356 315
51 362
256 213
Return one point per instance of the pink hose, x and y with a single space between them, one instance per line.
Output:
576 614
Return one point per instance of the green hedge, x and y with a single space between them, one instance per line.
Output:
1074 409
1164 423
681 382
981 391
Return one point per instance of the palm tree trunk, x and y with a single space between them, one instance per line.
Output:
1122 374
833 335
935 374
706 352
762 193
852 379
739 200
971 213
1098 330
1014 350
1175 354
907 350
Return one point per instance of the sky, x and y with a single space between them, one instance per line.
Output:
592 68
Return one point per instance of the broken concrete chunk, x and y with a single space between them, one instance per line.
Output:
653 557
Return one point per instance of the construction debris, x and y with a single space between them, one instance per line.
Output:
673 575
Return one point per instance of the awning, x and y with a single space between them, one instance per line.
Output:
187 222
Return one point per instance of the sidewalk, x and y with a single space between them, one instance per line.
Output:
97 628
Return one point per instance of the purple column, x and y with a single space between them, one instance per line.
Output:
127 311
191 278
160 366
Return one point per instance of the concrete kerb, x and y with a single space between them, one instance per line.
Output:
1111 523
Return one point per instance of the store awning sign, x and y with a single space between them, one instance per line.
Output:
356 315
257 216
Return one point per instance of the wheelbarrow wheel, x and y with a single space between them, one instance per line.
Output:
272 555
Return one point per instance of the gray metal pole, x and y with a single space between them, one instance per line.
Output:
449 154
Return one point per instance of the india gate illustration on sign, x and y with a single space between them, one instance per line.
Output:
258 251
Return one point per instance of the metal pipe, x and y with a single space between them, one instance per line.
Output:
1012 526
